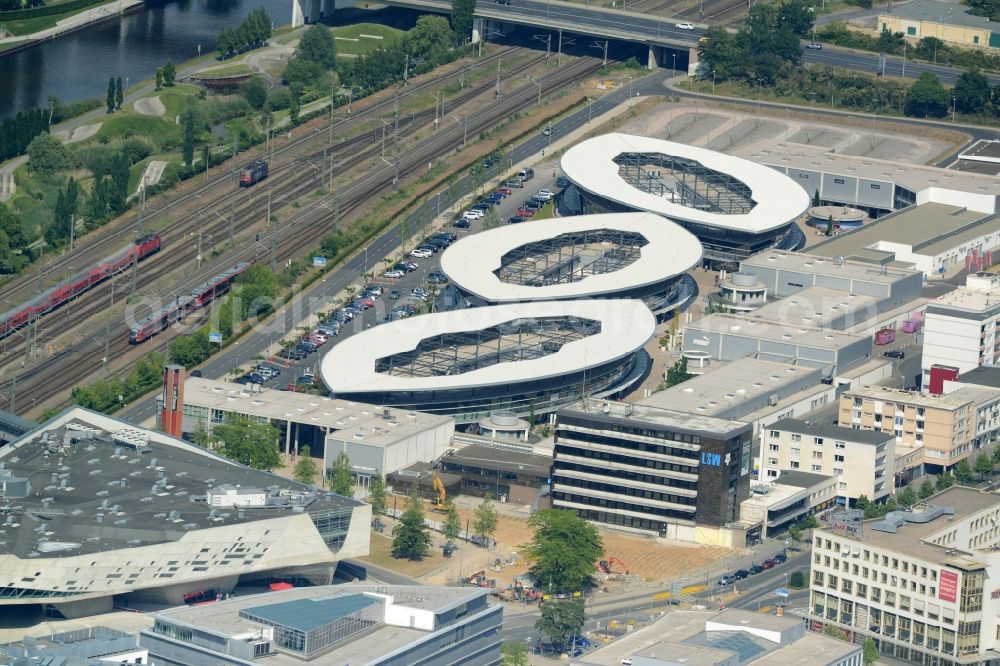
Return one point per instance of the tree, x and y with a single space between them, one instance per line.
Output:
563 550
317 45
971 92
377 494
484 520
963 471
452 525
926 489
341 477
907 497
890 505
159 78
561 619
169 72
677 373
797 16
797 579
293 110
862 502
721 54
816 197
984 465
869 651
944 481
429 38
66 202
987 8
305 468
304 73
514 653
187 148
829 226
254 91
461 20
249 441
795 532
411 538
47 155
119 93
927 98
111 95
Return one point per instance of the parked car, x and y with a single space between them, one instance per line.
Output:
421 253
393 274
430 248
548 194
814 46
728 579
515 219
562 181
741 574
755 569
436 277
780 558
394 294
462 224
473 213
767 564
505 190
292 354
895 353
524 213
196 373
684 26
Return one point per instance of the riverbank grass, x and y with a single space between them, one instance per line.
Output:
27 26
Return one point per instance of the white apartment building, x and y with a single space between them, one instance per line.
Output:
960 327
863 460
921 583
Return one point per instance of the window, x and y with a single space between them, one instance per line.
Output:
817 468
838 181
795 450
817 455
772 447
796 438
975 39
911 30
838 459
794 464
876 187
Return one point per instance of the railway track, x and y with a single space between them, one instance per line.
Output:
75 363
287 184
112 239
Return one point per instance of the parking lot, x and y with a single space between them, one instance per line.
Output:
392 293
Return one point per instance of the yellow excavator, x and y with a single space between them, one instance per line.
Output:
442 495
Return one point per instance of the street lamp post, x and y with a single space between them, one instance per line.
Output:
673 68
953 105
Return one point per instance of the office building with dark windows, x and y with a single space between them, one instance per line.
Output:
678 475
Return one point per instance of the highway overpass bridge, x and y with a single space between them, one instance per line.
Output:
668 45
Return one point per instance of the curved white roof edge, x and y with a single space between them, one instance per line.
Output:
671 250
626 325
779 199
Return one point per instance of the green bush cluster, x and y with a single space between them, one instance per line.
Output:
107 395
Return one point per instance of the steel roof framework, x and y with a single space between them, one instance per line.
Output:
466 351
695 185
570 257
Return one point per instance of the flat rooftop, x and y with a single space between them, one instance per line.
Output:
668 418
802 480
966 299
727 387
315 410
910 538
950 13
952 400
927 228
99 484
812 648
819 307
914 177
224 617
501 459
983 375
818 264
828 430
748 327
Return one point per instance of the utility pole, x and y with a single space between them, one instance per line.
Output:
497 91
559 51
331 120
232 220
200 228
395 125
268 222
235 149
107 327
72 229
41 261
135 260
274 249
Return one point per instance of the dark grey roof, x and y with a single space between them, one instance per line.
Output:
984 375
492 458
308 614
746 646
90 493
830 430
793 477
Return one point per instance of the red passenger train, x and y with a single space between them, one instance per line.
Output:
199 297
70 288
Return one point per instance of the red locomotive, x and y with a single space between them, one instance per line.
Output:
199 297
70 288
254 172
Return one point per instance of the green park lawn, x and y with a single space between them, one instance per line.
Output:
236 69
361 38
38 23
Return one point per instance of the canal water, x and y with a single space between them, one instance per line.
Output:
78 65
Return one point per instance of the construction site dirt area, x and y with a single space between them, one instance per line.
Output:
633 559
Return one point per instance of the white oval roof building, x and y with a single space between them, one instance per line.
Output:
735 207
519 357
621 255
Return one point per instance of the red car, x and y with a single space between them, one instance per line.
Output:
368 303
505 190
767 564
523 212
